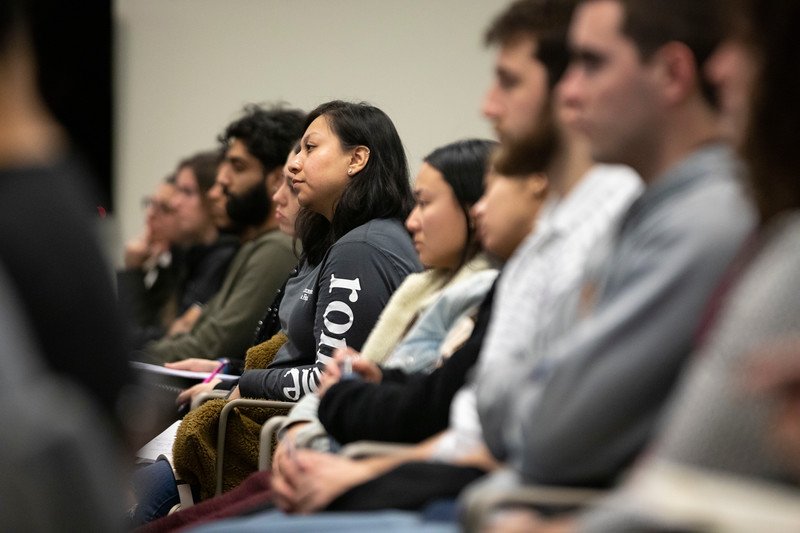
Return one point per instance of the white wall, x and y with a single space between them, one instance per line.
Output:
184 69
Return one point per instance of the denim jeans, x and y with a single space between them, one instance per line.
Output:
366 522
156 492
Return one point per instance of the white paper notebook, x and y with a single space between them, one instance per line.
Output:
164 371
160 445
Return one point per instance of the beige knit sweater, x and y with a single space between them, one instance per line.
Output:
411 298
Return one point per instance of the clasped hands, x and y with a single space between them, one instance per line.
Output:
305 481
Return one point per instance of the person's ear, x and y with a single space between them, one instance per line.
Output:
274 180
539 185
358 160
676 71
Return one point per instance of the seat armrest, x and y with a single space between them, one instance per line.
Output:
269 434
203 397
481 503
223 425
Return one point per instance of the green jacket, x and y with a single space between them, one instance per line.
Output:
226 327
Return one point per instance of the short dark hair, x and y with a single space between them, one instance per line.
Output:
204 166
268 133
380 190
11 17
769 28
546 21
463 164
651 24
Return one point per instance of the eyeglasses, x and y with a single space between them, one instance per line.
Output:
186 191
158 206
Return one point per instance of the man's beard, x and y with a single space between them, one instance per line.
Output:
531 153
250 208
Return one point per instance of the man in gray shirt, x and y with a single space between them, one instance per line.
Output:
583 411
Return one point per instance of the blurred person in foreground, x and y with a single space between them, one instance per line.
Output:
62 349
722 459
48 239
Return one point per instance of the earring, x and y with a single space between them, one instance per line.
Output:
349 171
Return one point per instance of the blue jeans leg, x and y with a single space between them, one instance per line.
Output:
156 491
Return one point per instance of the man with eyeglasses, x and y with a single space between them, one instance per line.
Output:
150 275
180 261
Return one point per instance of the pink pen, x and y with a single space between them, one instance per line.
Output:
215 372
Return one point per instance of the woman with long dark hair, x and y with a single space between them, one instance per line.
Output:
448 184
351 178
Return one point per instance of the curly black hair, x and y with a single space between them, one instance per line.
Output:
268 133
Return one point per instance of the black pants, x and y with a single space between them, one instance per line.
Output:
409 487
